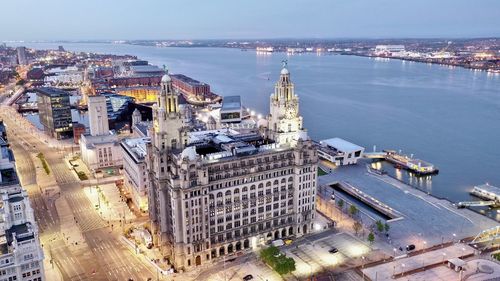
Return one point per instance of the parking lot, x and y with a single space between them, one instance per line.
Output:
312 256
235 271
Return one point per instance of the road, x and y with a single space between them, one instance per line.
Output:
101 256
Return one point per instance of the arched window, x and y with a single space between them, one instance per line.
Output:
228 193
219 195
236 191
245 189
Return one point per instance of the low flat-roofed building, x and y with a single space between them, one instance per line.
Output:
231 111
134 169
339 151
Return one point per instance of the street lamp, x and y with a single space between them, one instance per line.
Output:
363 266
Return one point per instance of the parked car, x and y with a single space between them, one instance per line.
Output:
410 247
278 243
333 250
248 277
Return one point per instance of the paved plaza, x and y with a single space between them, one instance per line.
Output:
424 220
475 270
312 256
401 266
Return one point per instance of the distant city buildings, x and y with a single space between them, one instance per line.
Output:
21 256
190 86
216 192
54 112
100 149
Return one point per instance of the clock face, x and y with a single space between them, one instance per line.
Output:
291 112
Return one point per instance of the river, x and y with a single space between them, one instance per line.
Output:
448 116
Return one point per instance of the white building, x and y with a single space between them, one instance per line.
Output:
134 170
340 152
231 110
217 192
21 256
100 149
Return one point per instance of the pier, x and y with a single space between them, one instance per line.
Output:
417 166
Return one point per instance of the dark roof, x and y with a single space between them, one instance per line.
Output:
52 92
23 232
9 177
16 199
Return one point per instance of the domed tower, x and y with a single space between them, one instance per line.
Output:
169 135
284 120
169 130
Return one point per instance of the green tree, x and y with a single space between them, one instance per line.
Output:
380 226
353 210
278 261
371 237
340 203
20 82
357 226
387 227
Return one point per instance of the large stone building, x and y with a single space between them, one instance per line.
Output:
21 256
100 150
216 192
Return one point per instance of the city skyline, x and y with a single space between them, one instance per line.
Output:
279 19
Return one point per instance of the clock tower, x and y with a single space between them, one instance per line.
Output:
285 122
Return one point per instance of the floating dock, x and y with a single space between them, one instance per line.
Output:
417 166
487 192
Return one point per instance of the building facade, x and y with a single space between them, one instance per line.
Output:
134 170
55 112
22 57
100 149
217 192
21 256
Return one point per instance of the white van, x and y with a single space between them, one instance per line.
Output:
278 243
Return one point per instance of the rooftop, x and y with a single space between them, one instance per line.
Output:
226 143
488 188
51 92
186 79
22 232
136 147
341 145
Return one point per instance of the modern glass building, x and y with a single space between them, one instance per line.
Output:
55 112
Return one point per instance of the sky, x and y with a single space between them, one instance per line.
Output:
246 19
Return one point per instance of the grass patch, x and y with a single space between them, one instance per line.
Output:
82 176
278 261
44 162
496 256
321 172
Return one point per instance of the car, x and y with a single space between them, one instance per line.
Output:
410 247
248 277
288 241
333 250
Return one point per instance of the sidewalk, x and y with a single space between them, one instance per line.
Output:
52 273
108 201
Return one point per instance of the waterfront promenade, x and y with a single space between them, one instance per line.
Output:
424 220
